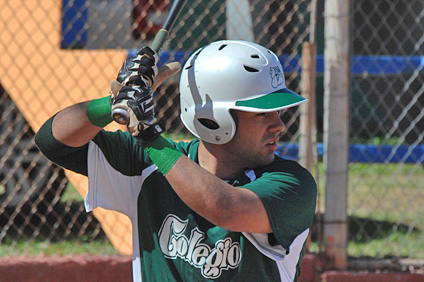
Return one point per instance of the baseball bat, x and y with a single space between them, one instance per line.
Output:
120 115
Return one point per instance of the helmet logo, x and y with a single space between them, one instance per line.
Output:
277 78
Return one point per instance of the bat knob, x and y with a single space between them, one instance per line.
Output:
121 116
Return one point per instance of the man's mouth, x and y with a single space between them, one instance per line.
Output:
272 144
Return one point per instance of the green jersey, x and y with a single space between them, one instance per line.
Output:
171 242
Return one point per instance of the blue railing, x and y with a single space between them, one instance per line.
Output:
360 153
371 65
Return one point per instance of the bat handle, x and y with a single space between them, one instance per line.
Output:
159 40
121 115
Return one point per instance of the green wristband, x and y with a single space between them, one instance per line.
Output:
99 112
163 154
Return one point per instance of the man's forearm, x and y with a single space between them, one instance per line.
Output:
72 127
236 209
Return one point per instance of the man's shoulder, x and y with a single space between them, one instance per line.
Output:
189 147
285 169
280 165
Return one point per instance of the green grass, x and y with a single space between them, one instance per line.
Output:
385 209
389 192
71 194
65 247
397 244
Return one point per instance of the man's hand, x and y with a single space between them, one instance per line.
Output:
127 98
132 98
164 72
137 101
132 93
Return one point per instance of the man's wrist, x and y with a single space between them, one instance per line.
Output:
149 133
99 112
163 154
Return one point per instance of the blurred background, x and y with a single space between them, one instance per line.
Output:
56 53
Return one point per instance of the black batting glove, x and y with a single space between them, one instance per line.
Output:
137 101
131 93
141 65
149 133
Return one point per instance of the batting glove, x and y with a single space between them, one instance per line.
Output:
137 101
141 65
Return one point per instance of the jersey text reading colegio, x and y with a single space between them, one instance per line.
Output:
174 244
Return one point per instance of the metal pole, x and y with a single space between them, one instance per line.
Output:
336 129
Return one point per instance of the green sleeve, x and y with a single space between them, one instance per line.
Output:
288 193
120 149
72 158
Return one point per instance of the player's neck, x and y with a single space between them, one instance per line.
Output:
216 160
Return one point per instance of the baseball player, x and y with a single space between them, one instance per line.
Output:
222 207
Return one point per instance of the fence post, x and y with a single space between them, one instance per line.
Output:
336 129
307 110
308 155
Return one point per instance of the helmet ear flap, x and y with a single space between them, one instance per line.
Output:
218 128
213 125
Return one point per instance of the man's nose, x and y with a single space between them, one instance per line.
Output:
277 124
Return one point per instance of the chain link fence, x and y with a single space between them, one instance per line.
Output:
56 53
386 201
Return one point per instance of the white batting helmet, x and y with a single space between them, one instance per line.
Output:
230 74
